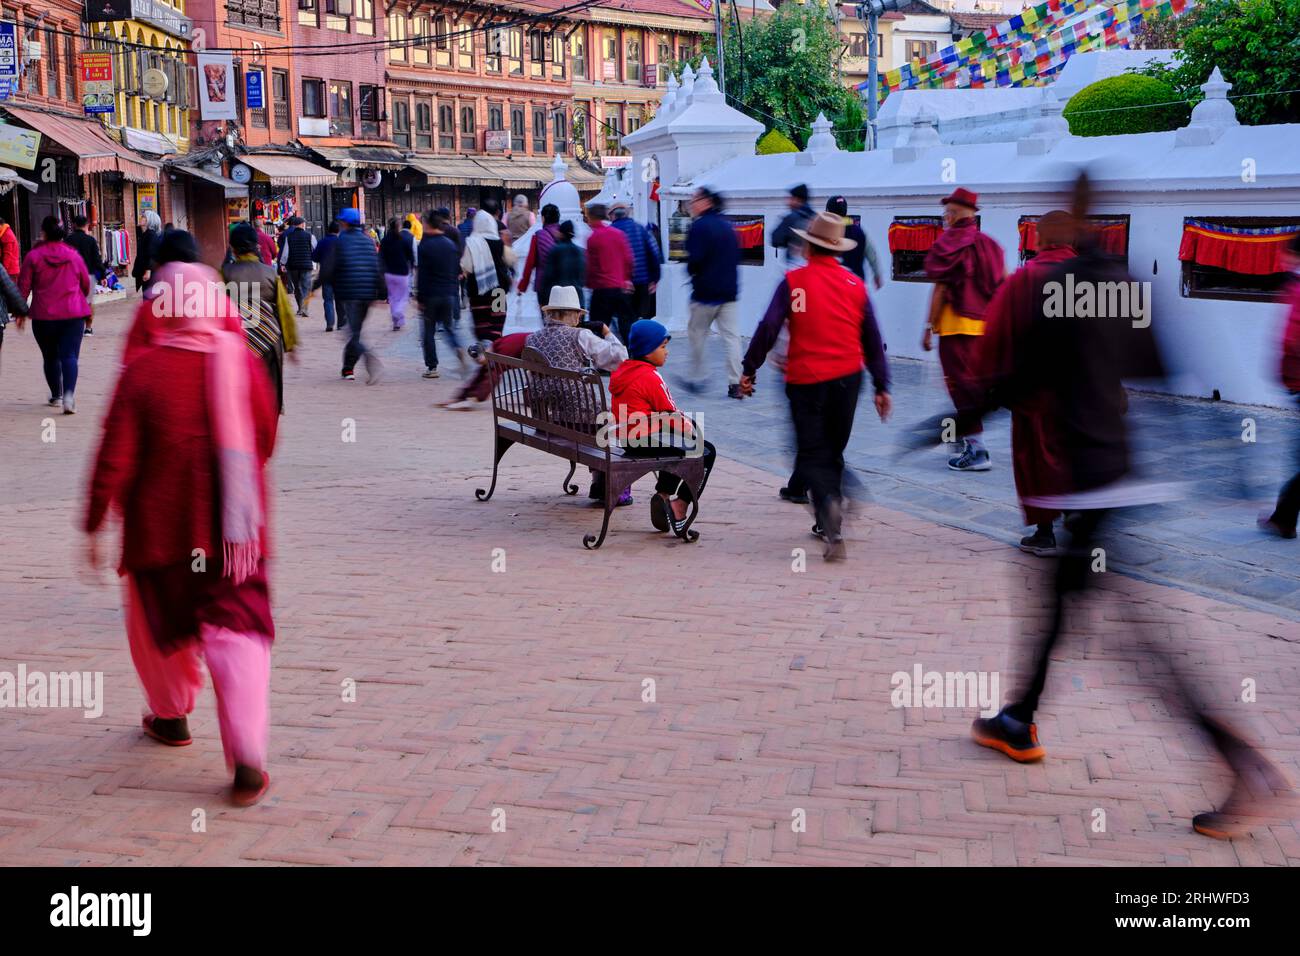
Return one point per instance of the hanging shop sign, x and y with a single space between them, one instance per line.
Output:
18 147
9 51
107 11
96 82
216 86
371 178
146 199
154 83
253 97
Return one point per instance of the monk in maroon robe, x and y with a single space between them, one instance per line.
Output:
966 266
1035 453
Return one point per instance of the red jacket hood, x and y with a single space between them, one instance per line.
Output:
629 373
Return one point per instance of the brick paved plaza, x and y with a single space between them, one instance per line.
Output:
522 691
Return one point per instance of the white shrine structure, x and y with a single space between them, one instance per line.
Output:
1213 168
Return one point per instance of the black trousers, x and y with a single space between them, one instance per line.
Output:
823 421
611 307
1074 575
668 483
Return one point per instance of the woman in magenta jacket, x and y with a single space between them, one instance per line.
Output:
55 275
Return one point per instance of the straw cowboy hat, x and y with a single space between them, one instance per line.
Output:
564 298
827 230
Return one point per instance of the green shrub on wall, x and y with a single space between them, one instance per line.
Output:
1131 103
774 141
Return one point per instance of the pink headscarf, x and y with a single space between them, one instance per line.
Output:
191 311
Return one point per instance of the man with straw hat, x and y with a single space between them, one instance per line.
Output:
833 333
566 345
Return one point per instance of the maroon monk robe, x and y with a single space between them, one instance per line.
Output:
1036 458
969 265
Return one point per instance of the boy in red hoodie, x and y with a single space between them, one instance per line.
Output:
650 423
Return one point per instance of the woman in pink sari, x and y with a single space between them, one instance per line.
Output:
185 443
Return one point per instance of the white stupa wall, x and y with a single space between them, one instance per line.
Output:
1157 179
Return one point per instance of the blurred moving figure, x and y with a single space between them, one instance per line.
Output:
1035 459
1085 396
833 334
1282 521
186 439
268 317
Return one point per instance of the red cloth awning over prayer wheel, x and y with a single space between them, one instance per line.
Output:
1248 251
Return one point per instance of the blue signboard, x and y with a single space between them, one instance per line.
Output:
253 90
4 90
9 51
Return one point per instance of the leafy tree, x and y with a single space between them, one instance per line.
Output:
1254 43
782 70
1110 107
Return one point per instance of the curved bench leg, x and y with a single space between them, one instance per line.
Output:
687 534
502 446
568 488
590 541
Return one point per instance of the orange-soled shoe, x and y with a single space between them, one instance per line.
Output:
1015 738
173 733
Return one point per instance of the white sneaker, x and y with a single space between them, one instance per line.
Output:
430 373
54 401
69 404
464 405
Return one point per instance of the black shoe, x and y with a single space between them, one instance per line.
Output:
1041 543
1015 738
733 391
1266 522
660 513
794 497
817 532
971 459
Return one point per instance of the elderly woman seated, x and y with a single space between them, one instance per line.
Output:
563 344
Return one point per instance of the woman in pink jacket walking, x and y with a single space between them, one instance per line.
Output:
55 275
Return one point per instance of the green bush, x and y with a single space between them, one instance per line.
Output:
775 141
1132 91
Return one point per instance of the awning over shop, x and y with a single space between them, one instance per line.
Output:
9 179
233 190
454 171
285 170
85 139
363 157
526 173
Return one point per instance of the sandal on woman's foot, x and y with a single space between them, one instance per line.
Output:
174 732
249 787
660 513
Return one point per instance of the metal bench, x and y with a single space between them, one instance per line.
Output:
561 413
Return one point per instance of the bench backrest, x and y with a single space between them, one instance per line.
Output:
553 401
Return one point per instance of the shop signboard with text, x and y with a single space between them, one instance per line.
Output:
97 94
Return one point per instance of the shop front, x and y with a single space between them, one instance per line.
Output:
366 179
274 181
217 203
79 170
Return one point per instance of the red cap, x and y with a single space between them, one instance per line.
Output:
963 197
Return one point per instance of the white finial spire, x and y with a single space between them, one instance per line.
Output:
559 167
669 102
705 84
688 85
1211 116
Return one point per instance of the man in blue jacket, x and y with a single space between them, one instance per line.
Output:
437 288
353 270
645 265
713 260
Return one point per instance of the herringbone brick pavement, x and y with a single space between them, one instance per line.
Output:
517 696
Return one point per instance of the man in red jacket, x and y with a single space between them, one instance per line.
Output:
609 270
833 332
966 266
1283 519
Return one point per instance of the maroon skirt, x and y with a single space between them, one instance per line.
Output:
178 601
